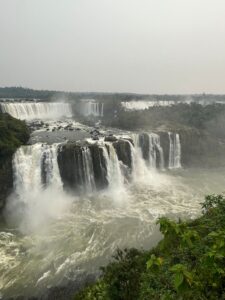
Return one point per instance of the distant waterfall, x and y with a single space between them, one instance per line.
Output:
147 104
91 108
174 151
37 110
34 168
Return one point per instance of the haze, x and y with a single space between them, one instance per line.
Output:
144 46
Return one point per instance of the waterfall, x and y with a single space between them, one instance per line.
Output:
89 179
161 154
113 165
91 108
34 168
146 103
155 150
149 146
37 110
49 167
91 166
139 166
174 151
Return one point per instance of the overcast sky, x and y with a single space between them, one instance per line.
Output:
145 46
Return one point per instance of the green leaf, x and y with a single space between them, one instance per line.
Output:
178 280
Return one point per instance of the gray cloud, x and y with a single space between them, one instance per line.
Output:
146 46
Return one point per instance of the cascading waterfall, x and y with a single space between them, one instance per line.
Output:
154 149
148 145
160 151
114 174
174 151
89 180
91 108
91 166
35 167
139 166
37 110
49 167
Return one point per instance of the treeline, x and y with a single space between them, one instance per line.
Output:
26 93
187 264
210 117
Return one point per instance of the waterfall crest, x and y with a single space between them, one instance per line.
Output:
37 110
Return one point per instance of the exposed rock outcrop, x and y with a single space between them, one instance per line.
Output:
123 150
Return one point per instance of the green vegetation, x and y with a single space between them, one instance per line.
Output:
176 116
13 133
189 263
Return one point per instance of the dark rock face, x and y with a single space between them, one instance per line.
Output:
110 138
72 166
6 180
123 150
99 166
144 144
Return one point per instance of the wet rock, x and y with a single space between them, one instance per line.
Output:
123 150
72 166
95 138
99 166
110 138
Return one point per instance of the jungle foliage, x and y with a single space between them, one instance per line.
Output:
180 115
13 133
189 262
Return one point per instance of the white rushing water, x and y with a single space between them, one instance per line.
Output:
146 104
55 237
155 151
37 186
114 173
175 151
89 181
91 108
34 167
37 110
